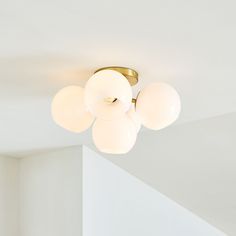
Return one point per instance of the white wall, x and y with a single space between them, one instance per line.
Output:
47 191
50 194
194 164
8 196
115 203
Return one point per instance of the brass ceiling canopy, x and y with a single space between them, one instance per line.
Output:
130 74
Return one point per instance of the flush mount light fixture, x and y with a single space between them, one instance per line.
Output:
107 103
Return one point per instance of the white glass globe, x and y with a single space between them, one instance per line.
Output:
69 111
132 114
108 94
114 136
158 105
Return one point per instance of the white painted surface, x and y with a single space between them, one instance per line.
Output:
116 203
50 194
8 196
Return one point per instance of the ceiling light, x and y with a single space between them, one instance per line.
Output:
108 94
107 97
116 136
69 110
158 105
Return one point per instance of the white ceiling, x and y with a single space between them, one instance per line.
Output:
46 45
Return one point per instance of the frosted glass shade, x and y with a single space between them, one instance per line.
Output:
158 105
69 111
114 136
108 94
132 114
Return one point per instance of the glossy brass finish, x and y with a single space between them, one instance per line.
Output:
130 74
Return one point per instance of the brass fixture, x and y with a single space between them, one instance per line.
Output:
130 74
